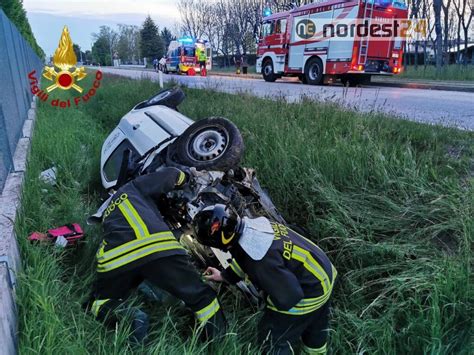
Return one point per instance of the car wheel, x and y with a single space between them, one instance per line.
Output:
314 71
268 72
168 97
211 143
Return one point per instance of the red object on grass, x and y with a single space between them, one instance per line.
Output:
191 72
72 232
203 72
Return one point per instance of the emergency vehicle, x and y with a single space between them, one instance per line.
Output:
310 41
181 57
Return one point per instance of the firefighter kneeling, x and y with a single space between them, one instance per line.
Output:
295 274
138 246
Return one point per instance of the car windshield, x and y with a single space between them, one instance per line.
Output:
189 51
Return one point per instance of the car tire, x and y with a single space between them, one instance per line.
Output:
213 143
268 71
313 71
169 97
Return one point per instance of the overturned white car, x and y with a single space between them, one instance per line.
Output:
155 134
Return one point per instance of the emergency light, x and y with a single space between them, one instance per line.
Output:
267 12
186 40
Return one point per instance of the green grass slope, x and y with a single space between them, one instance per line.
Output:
390 200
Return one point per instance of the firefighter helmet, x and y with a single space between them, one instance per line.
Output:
218 226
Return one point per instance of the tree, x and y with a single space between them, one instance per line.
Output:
80 55
437 4
104 46
128 47
167 37
151 44
192 13
17 14
87 57
100 52
465 12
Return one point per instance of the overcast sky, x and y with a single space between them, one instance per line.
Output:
83 17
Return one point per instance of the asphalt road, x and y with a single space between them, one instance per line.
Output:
446 108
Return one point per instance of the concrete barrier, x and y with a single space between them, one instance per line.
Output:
10 200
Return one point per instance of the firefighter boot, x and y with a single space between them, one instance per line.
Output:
140 325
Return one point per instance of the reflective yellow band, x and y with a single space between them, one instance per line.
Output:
237 269
334 271
181 178
134 219
96 306
138 254
312 266
305 306
103 257
209 311
315 351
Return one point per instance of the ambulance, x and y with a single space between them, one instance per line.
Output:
181 57
324 41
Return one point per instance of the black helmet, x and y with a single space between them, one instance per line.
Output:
218 226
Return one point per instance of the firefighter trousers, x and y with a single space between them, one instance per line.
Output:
280 333
174 274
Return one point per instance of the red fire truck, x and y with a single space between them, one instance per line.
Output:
334 39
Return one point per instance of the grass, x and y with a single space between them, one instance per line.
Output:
455 72
391 202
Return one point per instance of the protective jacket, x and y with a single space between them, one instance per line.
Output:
134 230
202 55
295 273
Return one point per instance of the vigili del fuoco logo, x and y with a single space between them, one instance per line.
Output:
64 75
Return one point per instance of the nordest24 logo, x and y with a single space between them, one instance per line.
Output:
64 60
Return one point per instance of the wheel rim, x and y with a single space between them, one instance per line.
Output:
314 71
208 145
268 70
159 97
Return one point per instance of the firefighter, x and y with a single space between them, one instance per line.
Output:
295 274
139 246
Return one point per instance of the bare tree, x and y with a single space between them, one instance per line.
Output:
465 12
437 5
191 12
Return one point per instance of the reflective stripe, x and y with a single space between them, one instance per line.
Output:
237 269
315 351
135 221
305 306
311 265
208 312
334 271
96 306
181 178
138 254
334 274
126 247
